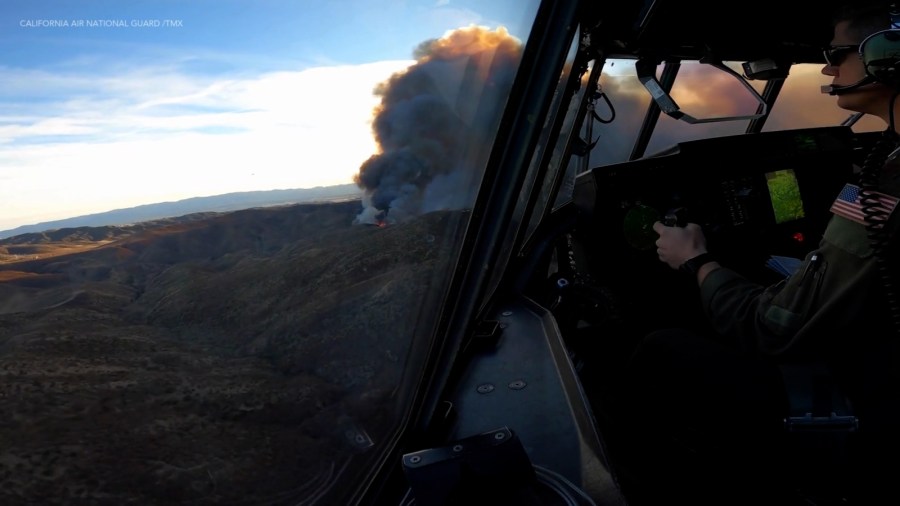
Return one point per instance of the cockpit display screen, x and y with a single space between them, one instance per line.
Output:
784 192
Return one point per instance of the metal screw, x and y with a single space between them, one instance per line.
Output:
517 385
457 448
499 436
507 313
485 388
415 459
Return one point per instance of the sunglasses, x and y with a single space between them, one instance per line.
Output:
835 55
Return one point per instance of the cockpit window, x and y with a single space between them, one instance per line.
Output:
704 91
614 141
227 235
554 152
802 105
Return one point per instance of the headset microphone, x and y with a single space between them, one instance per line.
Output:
836 89
880 56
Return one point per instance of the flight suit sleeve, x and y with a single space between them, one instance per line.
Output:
832 279
736 306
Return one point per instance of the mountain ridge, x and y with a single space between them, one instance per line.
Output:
216 203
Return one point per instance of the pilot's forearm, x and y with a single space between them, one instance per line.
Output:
704 271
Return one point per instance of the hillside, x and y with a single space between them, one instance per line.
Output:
222 358
216 203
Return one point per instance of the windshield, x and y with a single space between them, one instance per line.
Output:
704 92
227 229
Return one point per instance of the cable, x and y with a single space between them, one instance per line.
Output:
408 499
876 216
599 93
567 491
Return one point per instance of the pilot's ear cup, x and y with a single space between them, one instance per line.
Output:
881 56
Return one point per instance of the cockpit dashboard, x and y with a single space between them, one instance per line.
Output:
756 196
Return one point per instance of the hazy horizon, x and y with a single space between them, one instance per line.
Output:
215 204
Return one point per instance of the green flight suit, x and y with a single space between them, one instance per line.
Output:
826 302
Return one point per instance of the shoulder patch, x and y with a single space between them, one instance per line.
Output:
849 236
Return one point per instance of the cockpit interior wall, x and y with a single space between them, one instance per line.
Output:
520 379
673 28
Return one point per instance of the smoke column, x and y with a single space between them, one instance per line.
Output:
435 125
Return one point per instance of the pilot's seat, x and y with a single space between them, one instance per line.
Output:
820 426
843 427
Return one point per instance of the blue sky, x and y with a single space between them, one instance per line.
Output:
199 97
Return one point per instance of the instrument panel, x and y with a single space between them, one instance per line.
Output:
755 195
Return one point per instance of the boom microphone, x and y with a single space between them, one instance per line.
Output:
835 89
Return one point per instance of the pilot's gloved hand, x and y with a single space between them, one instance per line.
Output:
677 245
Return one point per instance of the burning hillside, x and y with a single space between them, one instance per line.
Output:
435 124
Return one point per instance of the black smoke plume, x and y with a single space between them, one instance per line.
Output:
435 125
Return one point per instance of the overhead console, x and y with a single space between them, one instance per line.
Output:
755 195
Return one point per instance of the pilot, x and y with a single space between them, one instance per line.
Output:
723 393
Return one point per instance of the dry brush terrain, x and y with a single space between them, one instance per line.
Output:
214 359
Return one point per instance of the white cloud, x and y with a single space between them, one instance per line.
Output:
73 144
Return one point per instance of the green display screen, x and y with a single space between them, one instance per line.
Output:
784 192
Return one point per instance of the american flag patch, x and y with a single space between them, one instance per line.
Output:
848 204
